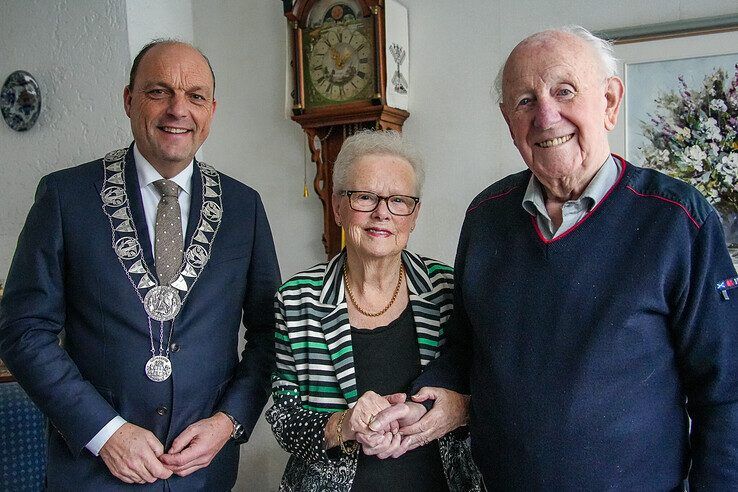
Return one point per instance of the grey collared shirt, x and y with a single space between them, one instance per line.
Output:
572 211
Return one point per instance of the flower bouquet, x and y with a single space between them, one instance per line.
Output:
693 136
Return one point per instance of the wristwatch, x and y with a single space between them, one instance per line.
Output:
237 427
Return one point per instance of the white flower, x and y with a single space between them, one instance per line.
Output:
728 167
718 105
684 132
694 156
730 161
711 129
714 150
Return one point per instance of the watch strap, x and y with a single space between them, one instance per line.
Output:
237 427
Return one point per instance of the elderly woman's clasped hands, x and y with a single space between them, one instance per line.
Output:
389 426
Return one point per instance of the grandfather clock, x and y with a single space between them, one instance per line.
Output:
340 51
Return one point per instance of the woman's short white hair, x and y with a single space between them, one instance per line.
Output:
375 142
602 47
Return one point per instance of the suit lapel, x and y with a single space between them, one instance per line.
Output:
426 314
427 318
337 330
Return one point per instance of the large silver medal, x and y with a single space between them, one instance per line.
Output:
159 368
162 303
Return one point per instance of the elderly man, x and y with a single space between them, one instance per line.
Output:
148 261
590 301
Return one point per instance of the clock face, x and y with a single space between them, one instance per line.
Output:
339 60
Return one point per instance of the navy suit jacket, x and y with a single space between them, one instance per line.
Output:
66 279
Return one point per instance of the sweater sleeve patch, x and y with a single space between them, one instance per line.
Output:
726 285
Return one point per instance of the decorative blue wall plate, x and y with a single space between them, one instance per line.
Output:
20 101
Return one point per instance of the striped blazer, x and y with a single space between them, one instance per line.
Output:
315 374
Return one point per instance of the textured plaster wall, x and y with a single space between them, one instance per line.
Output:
78 52
152 19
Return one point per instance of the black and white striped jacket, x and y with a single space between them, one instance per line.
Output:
315 374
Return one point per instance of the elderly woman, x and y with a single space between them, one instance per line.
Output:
360 326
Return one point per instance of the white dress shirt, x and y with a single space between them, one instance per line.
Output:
150 197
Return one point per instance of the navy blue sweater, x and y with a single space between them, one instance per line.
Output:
584 349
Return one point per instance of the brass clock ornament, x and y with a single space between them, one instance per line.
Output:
339 81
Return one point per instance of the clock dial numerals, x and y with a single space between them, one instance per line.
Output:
332 38
339 64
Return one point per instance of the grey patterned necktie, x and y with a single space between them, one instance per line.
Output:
168 241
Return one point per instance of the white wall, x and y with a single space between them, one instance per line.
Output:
152 19
78 52
251 139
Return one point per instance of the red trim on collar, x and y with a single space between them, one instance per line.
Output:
623 165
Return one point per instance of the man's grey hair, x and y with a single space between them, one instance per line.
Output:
375 142
602 47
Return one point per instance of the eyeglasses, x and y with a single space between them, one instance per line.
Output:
366 201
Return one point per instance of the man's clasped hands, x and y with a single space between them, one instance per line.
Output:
135 455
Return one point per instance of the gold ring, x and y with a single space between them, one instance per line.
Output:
371 419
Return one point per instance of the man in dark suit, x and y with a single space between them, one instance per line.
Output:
147 261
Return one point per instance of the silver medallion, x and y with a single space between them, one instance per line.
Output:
212 211
121 213
211 192
115 166
208 169
197 256
159 368
127 248
180 284
162 303
116 178
113 196
116 155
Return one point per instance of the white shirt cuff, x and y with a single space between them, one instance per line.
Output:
97 442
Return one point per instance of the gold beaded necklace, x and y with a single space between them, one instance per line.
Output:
356 305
